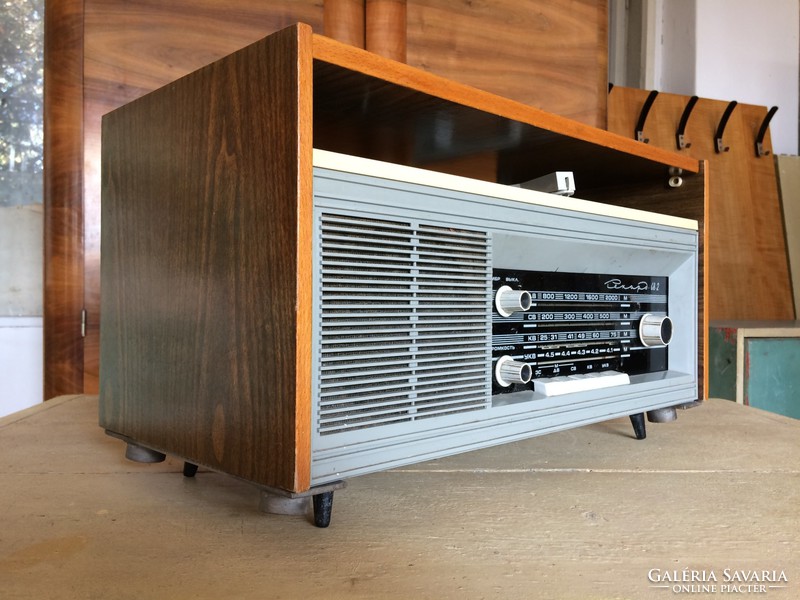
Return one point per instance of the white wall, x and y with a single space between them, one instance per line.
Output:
21 351
21 233
743 50
21 373
748 51
678 34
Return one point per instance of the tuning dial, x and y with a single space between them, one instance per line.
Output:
508 301
655 331
508 371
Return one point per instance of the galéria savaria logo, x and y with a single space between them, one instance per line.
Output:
722 581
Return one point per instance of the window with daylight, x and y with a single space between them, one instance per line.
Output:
21 203
21 54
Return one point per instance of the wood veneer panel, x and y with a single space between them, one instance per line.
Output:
132 48
552 55
206 249
748 271
63 183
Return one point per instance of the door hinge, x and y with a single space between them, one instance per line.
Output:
83 322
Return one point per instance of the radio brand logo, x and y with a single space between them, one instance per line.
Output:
617 284
726 581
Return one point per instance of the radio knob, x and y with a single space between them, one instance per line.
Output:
655 331
508 301
508 371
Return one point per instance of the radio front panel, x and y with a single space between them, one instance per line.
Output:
453 314
564 324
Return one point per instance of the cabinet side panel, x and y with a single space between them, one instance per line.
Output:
200 250
131 48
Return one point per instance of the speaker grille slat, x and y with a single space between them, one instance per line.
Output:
405 322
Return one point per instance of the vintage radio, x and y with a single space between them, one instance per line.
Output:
298 319
450 314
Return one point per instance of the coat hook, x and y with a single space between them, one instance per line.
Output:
643 117
680 134
718 146
763 131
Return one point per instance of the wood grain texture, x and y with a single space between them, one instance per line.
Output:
63 184
386 28
344 21
201 251
304 273
573 515
134 48
748 270
551 55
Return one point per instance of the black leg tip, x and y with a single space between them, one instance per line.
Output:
323 506
189 469
639 430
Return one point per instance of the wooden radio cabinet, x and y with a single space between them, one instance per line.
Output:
213 244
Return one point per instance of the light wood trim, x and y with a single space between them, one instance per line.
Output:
367 63
601 54
305 213
63 198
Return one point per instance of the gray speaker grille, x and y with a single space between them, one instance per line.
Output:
405 322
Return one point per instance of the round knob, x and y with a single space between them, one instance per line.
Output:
655 331
508 300
508 371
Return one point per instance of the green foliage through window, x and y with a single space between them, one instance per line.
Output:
21 85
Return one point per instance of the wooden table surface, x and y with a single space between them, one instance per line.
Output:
587 513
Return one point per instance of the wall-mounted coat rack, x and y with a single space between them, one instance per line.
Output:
762 131
719 146
680 133
748 265
648 104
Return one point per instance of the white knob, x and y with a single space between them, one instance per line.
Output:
508 301
508 371
655 331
